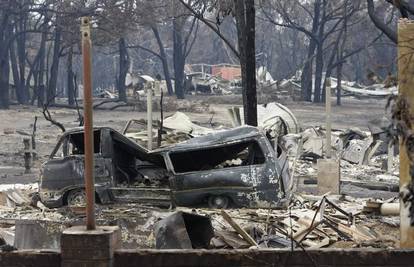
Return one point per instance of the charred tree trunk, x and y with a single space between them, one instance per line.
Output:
306 81
245 20
54 69
319 57
40 84
123 69
178 57
318 74
340 55
16 77
21 57
70 77
306 77
331 66
4 81
5 32
164 61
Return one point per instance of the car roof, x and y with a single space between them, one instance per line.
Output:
217 138
138 150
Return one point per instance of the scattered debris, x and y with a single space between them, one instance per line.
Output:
310 221
291 88
386 208
183 230
274 118
9 131
238 229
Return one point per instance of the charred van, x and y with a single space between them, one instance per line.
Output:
236 167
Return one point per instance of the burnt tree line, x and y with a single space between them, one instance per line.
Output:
39 43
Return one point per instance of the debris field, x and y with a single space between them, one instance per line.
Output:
364 214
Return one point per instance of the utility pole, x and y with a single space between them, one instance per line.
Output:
88 126
405 106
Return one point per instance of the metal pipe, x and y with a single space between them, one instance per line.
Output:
88 125
328 117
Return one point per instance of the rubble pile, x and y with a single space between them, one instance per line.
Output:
291 88
310 222
363 156
175 129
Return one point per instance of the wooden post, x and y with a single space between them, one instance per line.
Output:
328 117
88 126
27 155
390 158
34 154
149 114
202 71
406 102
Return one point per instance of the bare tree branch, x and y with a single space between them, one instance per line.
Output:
379 23
48 116
212 27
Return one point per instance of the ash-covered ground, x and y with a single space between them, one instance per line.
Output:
136 221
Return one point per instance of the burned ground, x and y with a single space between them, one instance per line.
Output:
137 221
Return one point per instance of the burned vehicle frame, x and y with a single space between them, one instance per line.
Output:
236 167
124 171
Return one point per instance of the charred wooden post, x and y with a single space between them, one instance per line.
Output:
27 155
34 153
88 126
404 114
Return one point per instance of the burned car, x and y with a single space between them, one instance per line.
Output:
236 167
124 171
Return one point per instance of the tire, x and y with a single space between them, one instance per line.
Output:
218 202
76 197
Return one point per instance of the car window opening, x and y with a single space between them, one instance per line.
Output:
76 143
226 156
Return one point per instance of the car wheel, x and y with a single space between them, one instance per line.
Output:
218 202
76 197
